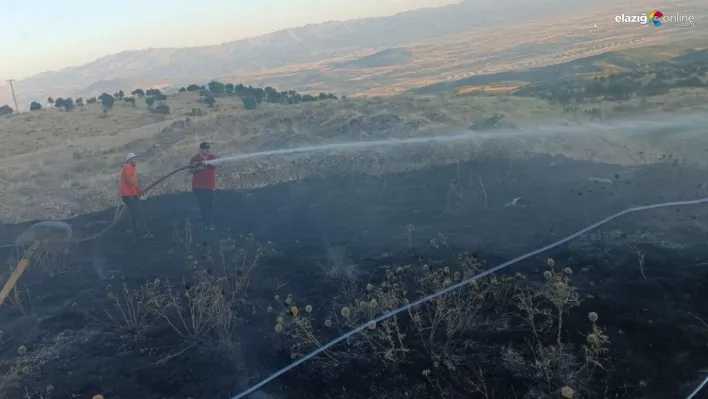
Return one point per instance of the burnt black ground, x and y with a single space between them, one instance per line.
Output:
655 339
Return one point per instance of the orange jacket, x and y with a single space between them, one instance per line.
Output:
129 182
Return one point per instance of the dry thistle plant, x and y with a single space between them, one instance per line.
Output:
297 325
550 359
596 345
434 330
198 312
131 309
247 256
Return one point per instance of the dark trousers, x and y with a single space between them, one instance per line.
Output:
205 199
135 211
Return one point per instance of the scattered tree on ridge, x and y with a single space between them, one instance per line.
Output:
50 101
66 103
138 93
69 104
35 106
257 94
216 88
6 110
208 99
107 101
249 102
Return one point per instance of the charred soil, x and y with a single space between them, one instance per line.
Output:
369 244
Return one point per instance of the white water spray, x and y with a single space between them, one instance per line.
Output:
626 127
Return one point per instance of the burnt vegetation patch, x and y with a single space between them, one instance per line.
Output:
616 313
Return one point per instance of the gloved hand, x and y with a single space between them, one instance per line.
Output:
196 167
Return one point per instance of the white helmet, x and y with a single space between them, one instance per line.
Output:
130 156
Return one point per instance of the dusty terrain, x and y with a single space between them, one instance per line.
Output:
323 240
310 245
58 163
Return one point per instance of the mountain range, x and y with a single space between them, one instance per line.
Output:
310 43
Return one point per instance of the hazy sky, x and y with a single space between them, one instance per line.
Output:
43 35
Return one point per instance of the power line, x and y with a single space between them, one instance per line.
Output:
12 87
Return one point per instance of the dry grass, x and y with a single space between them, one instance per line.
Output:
27 362
486 89
200 310
552 40
438 332
75 170
86 127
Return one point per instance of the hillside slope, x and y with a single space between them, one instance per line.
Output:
609 62
291 46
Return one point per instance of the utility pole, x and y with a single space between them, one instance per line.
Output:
12 87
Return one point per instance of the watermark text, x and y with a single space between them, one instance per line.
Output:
657 18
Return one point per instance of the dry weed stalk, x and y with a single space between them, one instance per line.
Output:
299 328
246 258
16 369
434 330
640 260
337 261
543 312
184 236
199 310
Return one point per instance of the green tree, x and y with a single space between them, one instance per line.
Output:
209 99
249 102
161 109
258 95
91 100
217 88
50 101
68 104
152 92
80 102
129 100
107 101
193 87
138 93
182 89
35 106
119 95
271 95
6 110
150 101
